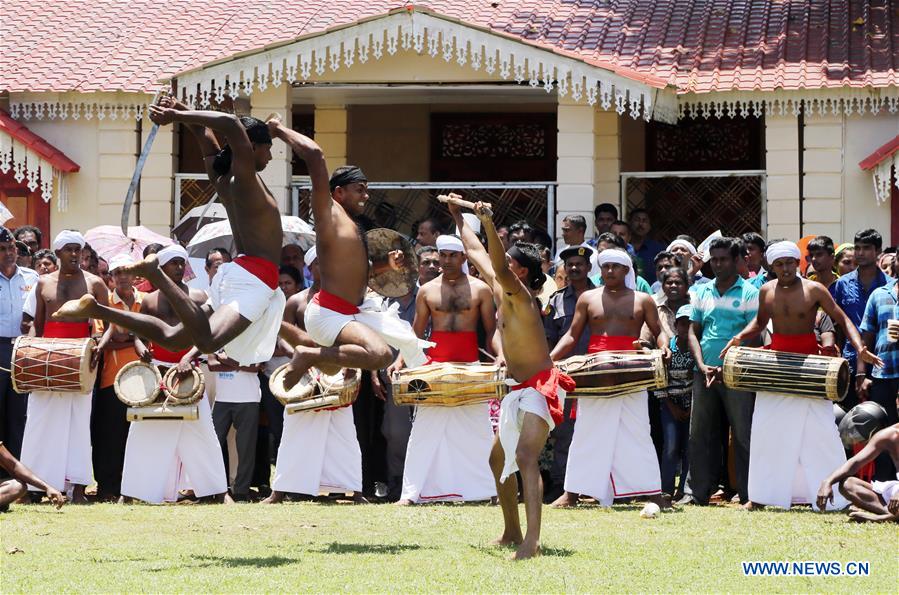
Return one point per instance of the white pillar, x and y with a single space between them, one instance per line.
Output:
117 146
782 165
823 170
607 127
575 166
331 133
277 175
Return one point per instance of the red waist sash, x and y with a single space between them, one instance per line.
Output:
454 346
547 384
264 270
164 355
67 330
332 302
806 343
610 343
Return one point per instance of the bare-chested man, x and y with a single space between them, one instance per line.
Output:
159 452
611 454
319 450
534 407
447 458
57 440
20 478
243 314
877 501
350 331
794 442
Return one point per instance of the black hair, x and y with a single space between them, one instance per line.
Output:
821 243
637 211
605 207
22 248
17 234
209 254
292 272
663 276
870 237
577 221
528 256
611 238
344 176
621 222
257 132
422 250
541 238
521 225
41 254
732 245
152 249
662 256
436 226
750 237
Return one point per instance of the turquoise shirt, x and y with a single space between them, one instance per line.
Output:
642 284
722 316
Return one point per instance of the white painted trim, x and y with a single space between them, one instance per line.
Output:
815 101
27 165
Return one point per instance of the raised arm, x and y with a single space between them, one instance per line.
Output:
502 273
308 150
209 144
573 335
488 319
474 250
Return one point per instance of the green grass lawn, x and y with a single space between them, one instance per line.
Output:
321 547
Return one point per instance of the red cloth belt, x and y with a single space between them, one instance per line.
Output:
547 384
453 346
67 330
332 302
264 270
807 343
164 355
610 343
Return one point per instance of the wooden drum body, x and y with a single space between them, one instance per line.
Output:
53 365
608 374
150 395
183 391
137 384
449 385
781 372
315 390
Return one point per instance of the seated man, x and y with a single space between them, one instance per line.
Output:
22 477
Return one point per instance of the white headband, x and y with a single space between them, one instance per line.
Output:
120 260
310 256
451 243
171 252
783 249
616 256
68 236
682 244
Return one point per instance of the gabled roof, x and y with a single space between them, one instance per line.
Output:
697 46
35 143
881 154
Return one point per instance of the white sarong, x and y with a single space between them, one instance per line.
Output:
319 453
57 441
611 454
511 417
239 289
448 455
886 489
160 452
795 445
323 326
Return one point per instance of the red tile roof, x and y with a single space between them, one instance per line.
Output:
696 45
37 144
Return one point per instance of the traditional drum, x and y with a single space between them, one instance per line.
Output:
315 390
781 372
608 374
449 385
137 384
54 365
183 391
161 411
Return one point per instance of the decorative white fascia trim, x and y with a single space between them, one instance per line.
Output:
74 105
30 167
815 101
883 172
425 34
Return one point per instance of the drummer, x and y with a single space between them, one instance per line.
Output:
795 443
611 454
159 452
54 415
447 458
319 450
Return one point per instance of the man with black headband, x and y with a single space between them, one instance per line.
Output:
243 314
534 407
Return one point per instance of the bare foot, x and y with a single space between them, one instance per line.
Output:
85 307
863 516
224 498
303 359
80 499
274 498
566 500
505 540
403 502
143 268
750 506
526 551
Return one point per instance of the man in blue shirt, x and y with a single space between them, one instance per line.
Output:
851 293
645 247
721 308
15 284
883 386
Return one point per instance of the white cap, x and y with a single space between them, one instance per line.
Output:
171 252
68 236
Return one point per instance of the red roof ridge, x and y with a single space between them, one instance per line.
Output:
36 143
880 154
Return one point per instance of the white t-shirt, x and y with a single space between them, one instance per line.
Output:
237 387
